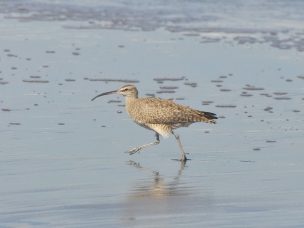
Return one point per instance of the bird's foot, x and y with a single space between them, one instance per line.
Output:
134 150
182 159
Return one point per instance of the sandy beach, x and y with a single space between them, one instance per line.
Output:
62 156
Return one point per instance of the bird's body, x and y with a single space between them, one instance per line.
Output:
160 115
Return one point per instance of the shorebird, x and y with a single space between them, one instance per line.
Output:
159 115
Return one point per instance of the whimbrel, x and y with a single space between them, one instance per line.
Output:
159 115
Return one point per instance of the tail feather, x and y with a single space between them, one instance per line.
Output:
208 116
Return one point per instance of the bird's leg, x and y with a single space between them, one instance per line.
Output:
183 157
139 148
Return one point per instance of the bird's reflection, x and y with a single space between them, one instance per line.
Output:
158 188
158 197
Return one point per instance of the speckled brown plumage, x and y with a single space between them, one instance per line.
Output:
150 112
159 115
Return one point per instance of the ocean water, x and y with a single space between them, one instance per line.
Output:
62 156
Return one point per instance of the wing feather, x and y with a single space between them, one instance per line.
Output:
160 111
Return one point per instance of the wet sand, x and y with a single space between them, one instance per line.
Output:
62 156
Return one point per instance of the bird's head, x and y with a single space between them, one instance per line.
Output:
126 90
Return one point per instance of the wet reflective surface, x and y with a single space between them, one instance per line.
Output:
62 160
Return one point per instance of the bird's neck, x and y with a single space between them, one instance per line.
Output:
130 99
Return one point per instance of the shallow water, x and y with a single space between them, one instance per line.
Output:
62 156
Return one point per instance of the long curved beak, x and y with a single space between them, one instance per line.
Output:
103 94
